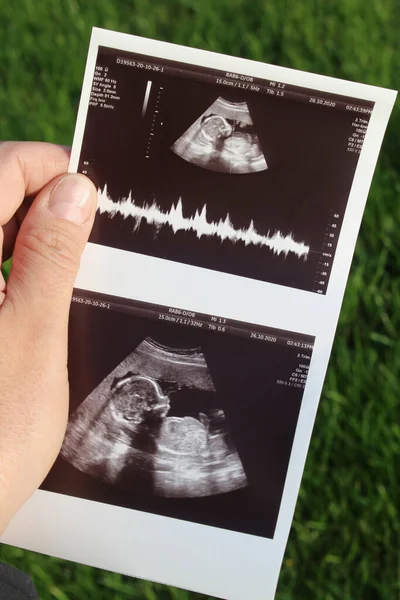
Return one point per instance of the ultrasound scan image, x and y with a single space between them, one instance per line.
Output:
153 425
251 180
177 420
223 139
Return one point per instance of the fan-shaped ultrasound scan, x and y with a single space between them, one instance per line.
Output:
152 426
223 139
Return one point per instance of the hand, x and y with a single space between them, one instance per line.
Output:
34 308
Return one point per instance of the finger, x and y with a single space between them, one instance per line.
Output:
25 168
48 250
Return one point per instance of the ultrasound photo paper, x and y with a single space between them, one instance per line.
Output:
249 177
189 422
230 195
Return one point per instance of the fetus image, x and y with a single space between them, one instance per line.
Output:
153 426
223 139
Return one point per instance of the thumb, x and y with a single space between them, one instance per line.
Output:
48 249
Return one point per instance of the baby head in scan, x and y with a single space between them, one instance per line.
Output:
137 400
214 127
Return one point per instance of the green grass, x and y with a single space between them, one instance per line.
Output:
344 544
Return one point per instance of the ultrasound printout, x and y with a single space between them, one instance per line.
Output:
230 196
181 417
243 177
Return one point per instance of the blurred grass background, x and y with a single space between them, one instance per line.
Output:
344 544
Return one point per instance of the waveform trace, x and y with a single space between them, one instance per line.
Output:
153 214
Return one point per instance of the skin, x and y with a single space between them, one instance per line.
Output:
46 237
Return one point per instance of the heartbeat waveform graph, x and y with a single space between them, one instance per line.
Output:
153 214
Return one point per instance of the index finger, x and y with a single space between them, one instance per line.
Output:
26 167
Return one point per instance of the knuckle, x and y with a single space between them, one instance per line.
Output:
7 148
54 244
9 152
